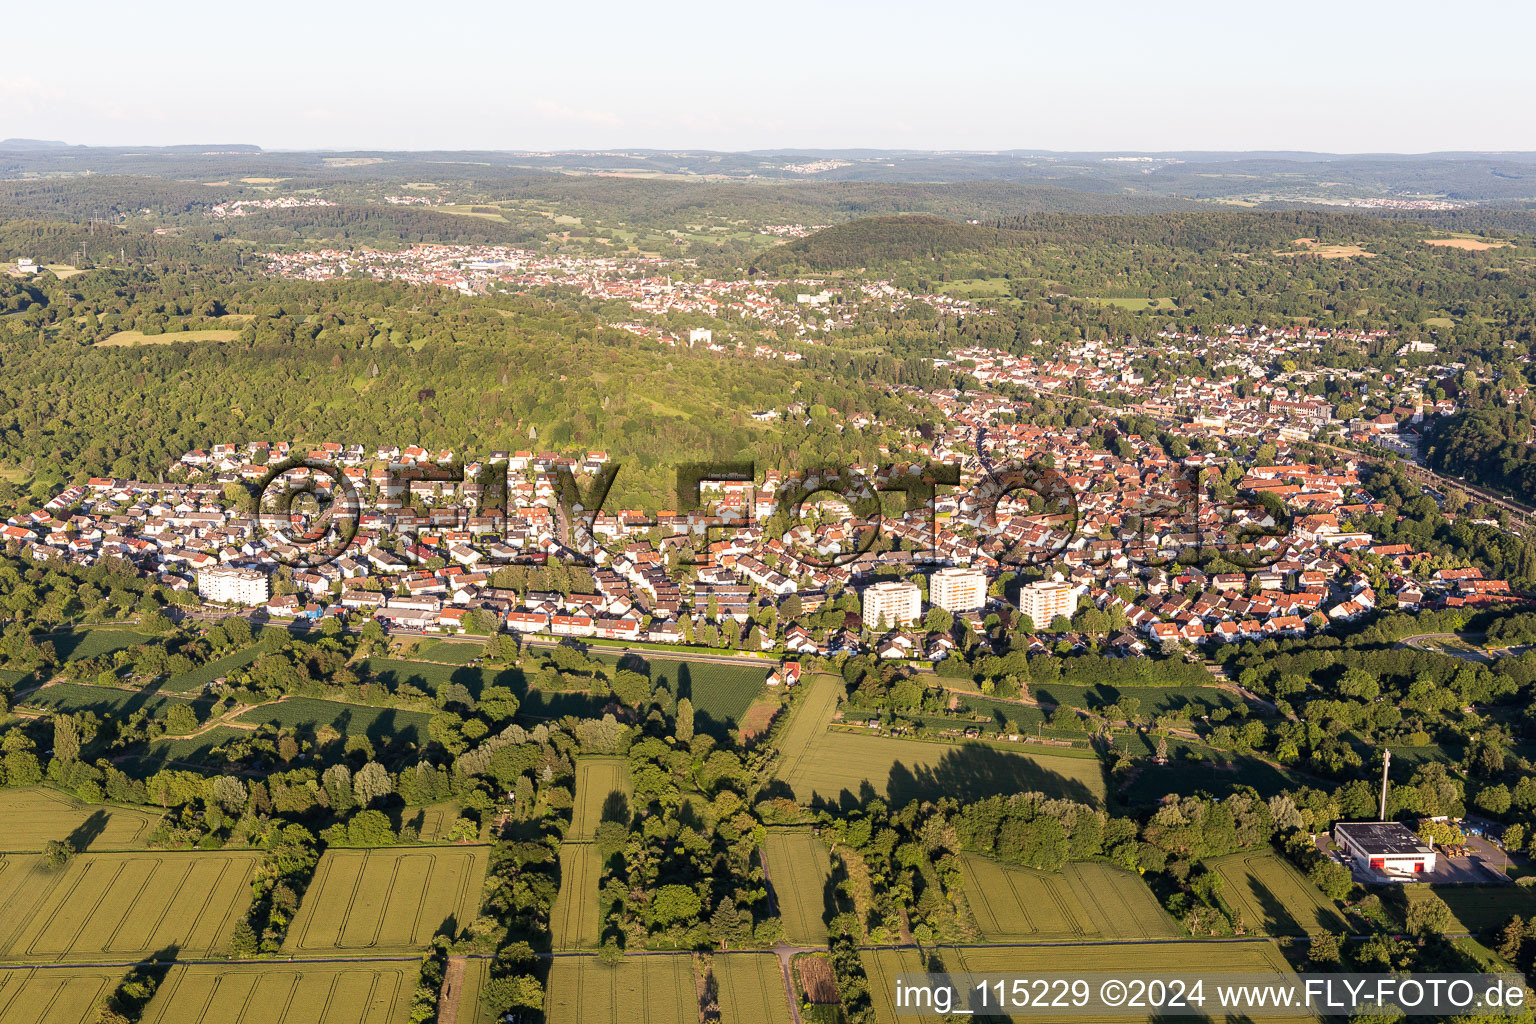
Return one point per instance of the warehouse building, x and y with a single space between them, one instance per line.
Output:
1388 848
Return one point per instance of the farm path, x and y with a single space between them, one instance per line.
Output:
786 953
453 988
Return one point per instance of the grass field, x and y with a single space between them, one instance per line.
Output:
124 339
219 668
1160 958
454 652
882 967
597 779
799 866
1478 907
192 749
1135 305
720 694
1089 900
573 921
382 726
94 641
844 767
104 700
1274 898
433 822
1155 700
115 905
387 900
34 816
471 1010
639 990
751 989
55 996
273 993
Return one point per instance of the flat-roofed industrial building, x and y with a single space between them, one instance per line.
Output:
1388 848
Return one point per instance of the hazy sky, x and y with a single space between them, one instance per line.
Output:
1340 76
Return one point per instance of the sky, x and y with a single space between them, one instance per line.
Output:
1342 76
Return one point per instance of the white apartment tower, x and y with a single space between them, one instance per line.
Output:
896 604
1045 600
231 585
957 589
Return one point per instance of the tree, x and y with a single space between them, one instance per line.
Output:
371 783
1429 916
675 904
1324 948
685 720
66 738
57 853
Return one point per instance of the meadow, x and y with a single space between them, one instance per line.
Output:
799 865
219 668
382 726
597 780
1477 907
639 990
1083 900
115 905
275 993
751 989
38 995
451 652
1163 958
720 693
123 339
383 901
429 676
573 921
103 700
1274 898
33 816
845 767
94 641
190 749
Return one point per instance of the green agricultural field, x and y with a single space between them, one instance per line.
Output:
94 641
132 338
1155 700
751 988
39 995
383 726
279 993
900 771
33 816
424 675
720 693
882 966
1477 907
116 905
1274 898
193 749
219 668
598 779
639 990
383 901
1088 900
103 700
1134 305
452 652
799 866
1165 958
433 822
573 921
1211 771
839 766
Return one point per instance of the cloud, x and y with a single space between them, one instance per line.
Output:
553 111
